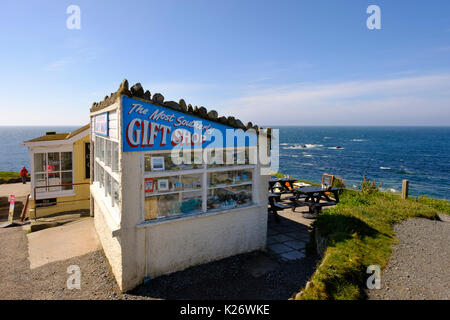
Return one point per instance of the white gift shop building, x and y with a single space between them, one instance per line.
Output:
173 186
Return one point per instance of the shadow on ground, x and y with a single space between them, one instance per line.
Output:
255 275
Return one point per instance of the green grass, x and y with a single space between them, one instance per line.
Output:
359 231
6 175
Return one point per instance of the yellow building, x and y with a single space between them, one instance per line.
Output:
60 172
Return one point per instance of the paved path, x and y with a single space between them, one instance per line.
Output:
419 267
17 189
18 281
73 239
287 239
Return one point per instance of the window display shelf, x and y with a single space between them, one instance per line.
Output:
151 194
224 186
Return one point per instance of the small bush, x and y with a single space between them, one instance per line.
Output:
338 182
370 187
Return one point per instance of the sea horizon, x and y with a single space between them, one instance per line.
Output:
387 154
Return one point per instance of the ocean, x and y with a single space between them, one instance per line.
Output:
386 154
14 155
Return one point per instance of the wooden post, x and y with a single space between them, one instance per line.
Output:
405 186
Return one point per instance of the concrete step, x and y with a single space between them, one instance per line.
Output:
56 220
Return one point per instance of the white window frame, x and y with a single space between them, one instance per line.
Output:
50 194
108 200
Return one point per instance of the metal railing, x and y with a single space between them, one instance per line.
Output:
53 186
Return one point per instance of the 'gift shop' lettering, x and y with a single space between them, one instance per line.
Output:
144 133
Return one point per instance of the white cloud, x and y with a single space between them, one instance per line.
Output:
400 101
79 56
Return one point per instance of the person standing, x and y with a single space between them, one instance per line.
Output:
23 174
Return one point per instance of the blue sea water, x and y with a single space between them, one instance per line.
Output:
13 154
386 154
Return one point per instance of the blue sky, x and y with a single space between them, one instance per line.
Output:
269 62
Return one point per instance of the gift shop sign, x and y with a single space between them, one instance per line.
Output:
146 126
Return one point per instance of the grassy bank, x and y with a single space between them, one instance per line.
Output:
359 231
7 175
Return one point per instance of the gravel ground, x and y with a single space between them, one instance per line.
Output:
18 281
419 267
230 278
14 265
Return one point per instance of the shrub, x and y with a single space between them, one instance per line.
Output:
370 187
338 182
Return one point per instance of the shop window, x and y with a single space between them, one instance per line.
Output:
229 189
105 164
115 157
40 162
107 151
107 185
228 157
168 193
229 197
53 161
51 170
66 161
66 178
108 155
40 180
187 160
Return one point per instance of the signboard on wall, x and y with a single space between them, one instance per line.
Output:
45 202
87 160
101 124
146 126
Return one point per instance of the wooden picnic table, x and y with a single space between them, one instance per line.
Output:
286 184
275 204
315 198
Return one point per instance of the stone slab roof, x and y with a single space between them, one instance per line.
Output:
137 91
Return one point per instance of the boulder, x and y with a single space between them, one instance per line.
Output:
124 85
239 124
202 111
223 120
137 90
158 98
212 114
172 105
147 95
190 109
231 121
182 105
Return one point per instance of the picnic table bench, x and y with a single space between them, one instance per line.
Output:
315 198
275 204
